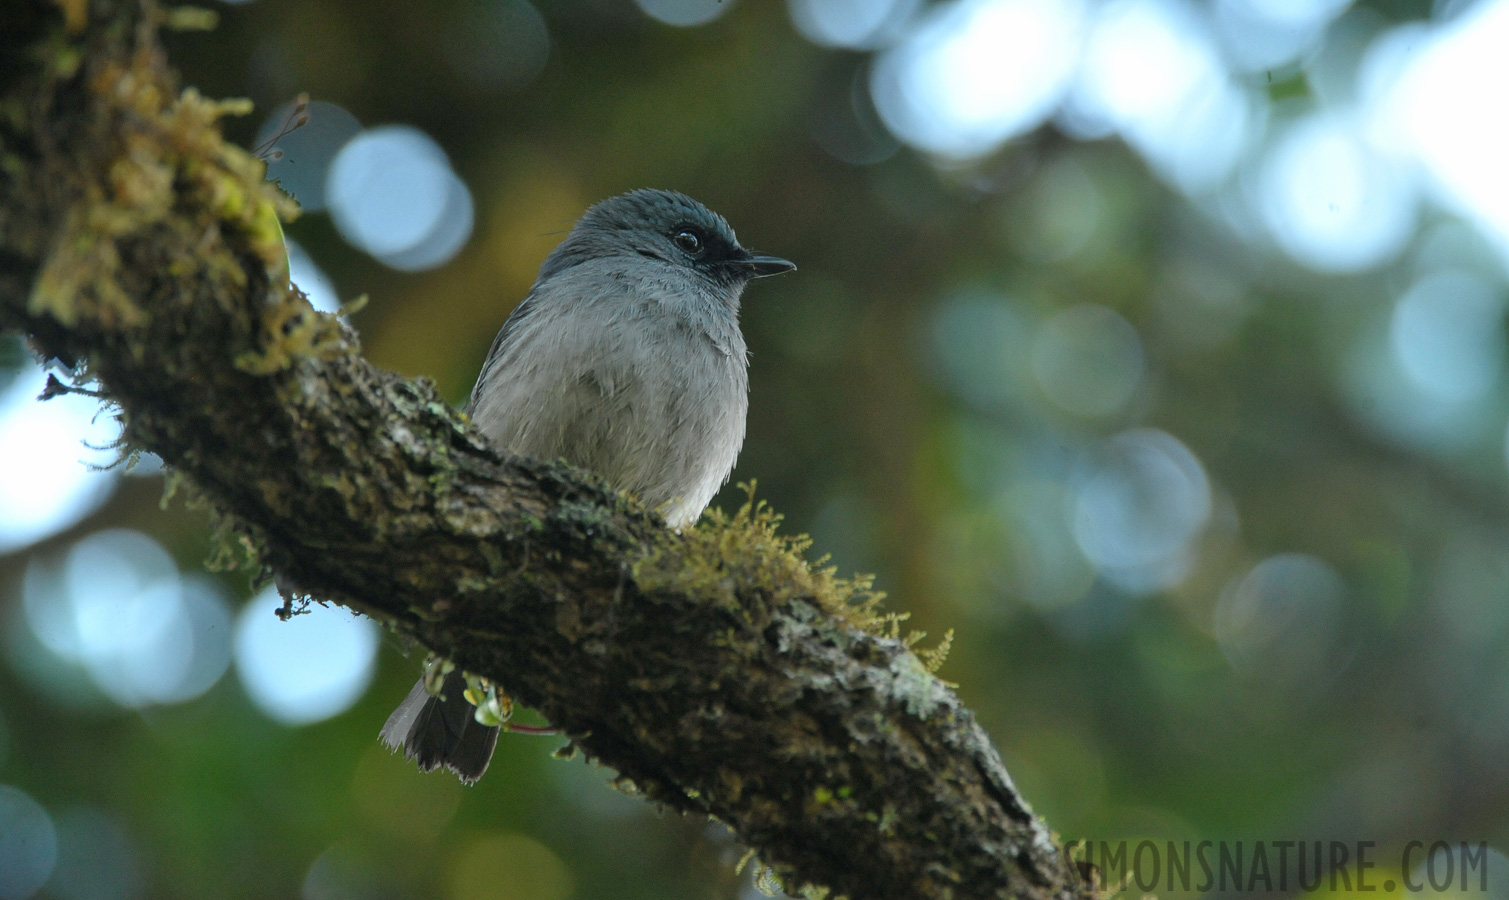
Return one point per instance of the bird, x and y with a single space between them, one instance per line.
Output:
625 359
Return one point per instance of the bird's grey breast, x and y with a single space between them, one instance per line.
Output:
639 377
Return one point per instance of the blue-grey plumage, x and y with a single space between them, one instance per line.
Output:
625 359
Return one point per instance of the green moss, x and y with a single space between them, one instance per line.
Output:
723 551
291 331
232 544
191 18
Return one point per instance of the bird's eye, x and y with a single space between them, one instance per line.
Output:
689 240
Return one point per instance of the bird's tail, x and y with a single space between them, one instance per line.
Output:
438 730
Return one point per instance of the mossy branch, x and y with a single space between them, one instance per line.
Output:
707 668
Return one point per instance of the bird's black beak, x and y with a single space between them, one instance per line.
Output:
759 265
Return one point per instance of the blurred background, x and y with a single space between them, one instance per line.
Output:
1156 346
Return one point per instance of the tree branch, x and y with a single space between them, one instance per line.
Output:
709 669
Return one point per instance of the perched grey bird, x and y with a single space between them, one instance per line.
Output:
625 359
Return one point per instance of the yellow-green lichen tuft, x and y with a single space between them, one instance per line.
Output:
293 330
232 545
164 151
724 550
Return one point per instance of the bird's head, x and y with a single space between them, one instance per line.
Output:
668 228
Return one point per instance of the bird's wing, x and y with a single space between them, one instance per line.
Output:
506 336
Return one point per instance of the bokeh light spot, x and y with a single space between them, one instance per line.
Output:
409 808
1438 99
1143 503
979 346
976 73
1266 34
312 280
1448 334
45 485
1047 571
1088 360
349 870
685 13
455 226
308 669
1152 72
1060 213
1278 620
28 844
1142 59
70 610
387 189
1398 405
392 194
96 858
118 607
1331 201
844 123
853 24
508 867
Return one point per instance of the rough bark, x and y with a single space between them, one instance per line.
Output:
710 669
